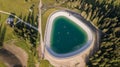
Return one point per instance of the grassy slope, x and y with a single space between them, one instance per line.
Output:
45 63
2 64
11 38
18 7
47 2
7 37
45 17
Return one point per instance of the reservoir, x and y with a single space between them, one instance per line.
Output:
69 39
66 36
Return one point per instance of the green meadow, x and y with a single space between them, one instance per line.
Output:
20 8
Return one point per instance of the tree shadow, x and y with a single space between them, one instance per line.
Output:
2 34
96 11
25 31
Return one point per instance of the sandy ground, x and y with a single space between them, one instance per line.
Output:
18 52
8 58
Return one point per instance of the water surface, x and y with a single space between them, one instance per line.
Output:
66 36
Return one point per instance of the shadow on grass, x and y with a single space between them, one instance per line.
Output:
10 58
25 31
2 34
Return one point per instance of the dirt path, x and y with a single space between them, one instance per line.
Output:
41 46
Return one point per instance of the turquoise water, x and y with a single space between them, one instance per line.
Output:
66 36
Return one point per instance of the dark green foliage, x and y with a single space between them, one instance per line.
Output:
25 31
31 62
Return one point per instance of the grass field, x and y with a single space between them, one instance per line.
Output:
10 38
48 2
18 6
45 63
2 64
